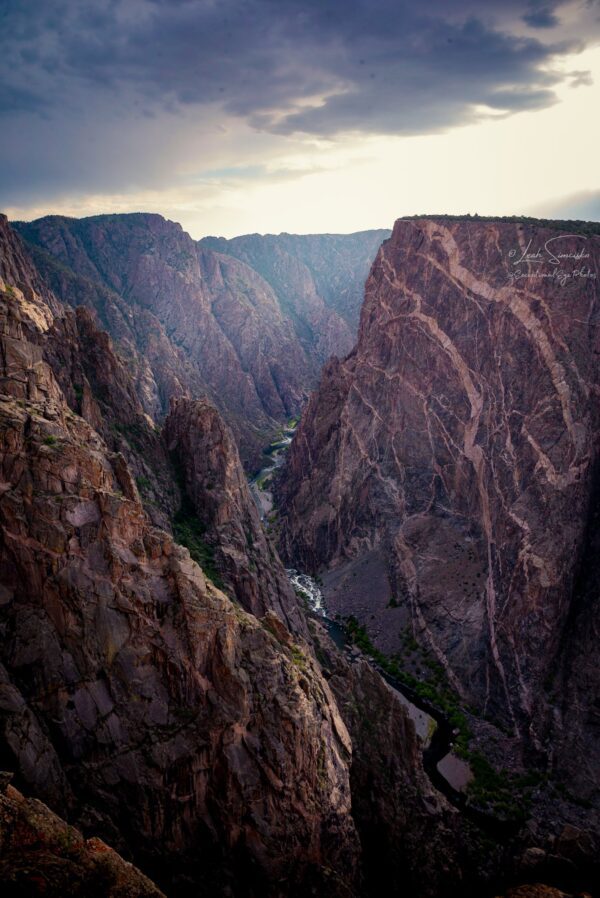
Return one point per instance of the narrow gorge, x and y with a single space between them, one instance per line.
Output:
353 656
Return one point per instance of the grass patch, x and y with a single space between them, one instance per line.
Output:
298 657
50 441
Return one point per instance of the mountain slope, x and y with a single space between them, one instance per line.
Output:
318 279
189 321
444 472
247 323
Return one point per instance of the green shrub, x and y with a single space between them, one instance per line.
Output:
189 532
143 483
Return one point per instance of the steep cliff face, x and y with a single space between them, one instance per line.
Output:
135 697
158 367
318 279
217 493
197 323
413 841
443 471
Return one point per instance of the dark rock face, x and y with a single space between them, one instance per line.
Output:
453 454
196 323
318 279
40 854
142 702
214 482
412 841
135 697
213 735
190 321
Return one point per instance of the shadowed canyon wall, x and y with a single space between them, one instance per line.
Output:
191 321
445 472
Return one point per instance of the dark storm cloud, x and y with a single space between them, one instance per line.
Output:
83 80
541 18
379 65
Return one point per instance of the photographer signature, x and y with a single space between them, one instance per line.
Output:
549 252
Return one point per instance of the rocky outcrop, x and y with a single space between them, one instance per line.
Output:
218 496
318 279
189 321
136 698
40 854
444 471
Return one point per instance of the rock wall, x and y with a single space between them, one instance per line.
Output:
443 471
135 697
218 495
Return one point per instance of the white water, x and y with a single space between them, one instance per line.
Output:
307 585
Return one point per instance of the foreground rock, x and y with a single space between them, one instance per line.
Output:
40 854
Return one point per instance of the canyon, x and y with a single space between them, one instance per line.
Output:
249 333
164 688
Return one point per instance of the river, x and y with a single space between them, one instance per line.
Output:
260 484
447 772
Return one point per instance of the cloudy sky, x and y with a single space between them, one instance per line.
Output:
234 116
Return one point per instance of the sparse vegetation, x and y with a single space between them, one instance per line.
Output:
132 433
189 532
507 795
502 793
265 481
143 484
298 657
576 226
434 689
